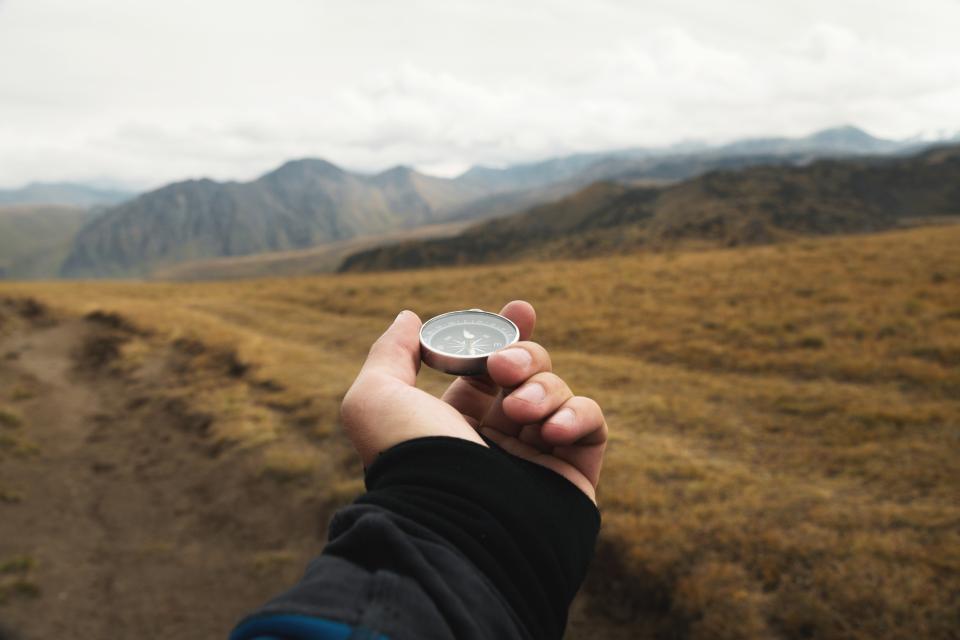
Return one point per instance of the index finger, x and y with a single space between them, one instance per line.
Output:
473 395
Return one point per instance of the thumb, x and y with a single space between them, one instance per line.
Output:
397 352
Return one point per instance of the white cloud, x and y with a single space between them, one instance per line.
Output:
150 92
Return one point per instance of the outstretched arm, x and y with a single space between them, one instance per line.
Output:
479 518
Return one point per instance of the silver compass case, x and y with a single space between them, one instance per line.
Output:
460 341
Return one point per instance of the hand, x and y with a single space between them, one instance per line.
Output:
520 404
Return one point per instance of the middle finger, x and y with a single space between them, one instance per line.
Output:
533 401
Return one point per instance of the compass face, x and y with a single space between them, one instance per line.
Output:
460 341
468 333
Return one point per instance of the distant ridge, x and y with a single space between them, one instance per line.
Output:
844 140
722 208
63 193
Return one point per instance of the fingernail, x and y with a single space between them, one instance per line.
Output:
518 357
398 317
563 418
533 392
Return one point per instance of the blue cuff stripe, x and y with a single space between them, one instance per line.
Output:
292 627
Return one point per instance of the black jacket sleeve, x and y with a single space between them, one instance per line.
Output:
452 540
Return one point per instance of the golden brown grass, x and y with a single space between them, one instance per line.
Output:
9 418
16 578
784 419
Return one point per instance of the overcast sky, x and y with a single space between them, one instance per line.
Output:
145 92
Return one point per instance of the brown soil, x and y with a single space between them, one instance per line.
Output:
128 519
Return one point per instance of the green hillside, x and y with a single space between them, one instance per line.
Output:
34 239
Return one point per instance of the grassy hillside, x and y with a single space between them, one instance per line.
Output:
784 419
34 239
755 205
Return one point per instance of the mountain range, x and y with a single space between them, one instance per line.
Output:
292 213
304 203
721 208
837 141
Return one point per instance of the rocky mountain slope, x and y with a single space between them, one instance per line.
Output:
302 204
326 257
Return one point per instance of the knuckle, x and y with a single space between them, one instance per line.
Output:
482 384
351 407
347 408
591 409
589 404
379 345
541 357
548 379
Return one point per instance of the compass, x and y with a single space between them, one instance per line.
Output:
460 341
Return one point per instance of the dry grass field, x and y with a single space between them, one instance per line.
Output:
785 420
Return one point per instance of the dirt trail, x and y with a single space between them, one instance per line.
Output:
133 525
